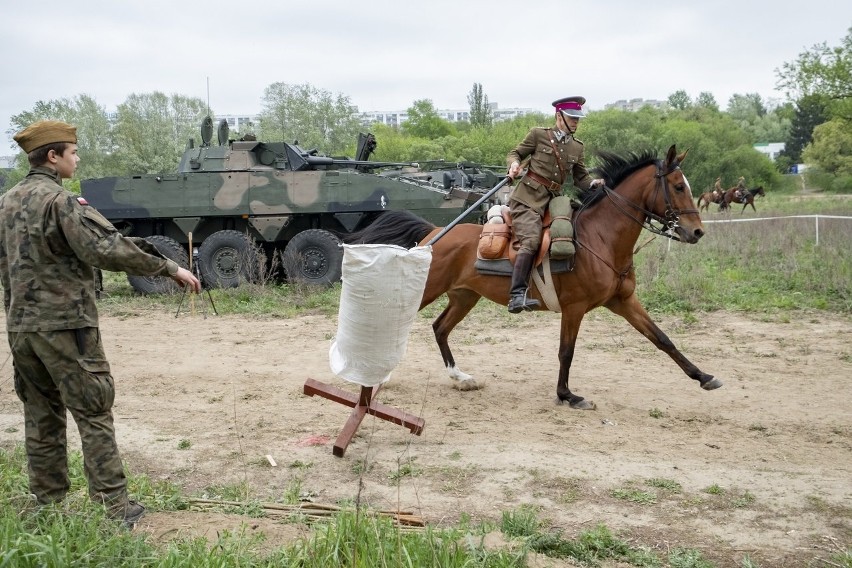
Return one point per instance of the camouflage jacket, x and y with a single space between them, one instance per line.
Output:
49 243
545 163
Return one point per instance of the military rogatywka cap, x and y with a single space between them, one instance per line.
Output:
571 106
45 132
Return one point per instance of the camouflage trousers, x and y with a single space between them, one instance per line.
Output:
59 370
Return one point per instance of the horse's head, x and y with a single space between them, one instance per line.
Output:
672 203
758 191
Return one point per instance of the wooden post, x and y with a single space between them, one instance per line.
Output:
361 405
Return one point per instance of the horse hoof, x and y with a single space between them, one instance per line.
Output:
468 385
711 384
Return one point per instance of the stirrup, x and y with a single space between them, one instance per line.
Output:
519 303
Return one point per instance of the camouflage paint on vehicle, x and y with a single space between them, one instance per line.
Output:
270 192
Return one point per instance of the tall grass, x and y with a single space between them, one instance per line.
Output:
752 266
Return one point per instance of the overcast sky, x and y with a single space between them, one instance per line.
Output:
385 55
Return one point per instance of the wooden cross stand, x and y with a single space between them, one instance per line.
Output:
361 405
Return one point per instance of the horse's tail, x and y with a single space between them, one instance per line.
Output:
698 201
401 228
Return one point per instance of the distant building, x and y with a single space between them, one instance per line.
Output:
397 117
241 123
770 149
636 104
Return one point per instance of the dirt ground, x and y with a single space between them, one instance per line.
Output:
761 467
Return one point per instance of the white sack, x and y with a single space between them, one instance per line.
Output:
382 289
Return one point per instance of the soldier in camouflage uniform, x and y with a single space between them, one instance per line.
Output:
556 157
50 240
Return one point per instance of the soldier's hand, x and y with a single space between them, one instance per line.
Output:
186 278
597 183
514 170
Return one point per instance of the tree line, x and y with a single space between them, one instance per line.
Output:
149 131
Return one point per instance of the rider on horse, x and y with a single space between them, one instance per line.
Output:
740 191
718 192
556 156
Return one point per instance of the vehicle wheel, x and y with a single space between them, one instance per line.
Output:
226 259
170 249
313 257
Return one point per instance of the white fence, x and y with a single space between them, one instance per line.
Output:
816 219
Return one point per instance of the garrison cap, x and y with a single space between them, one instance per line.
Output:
571 106
45 132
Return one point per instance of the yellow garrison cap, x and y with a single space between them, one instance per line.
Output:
44 132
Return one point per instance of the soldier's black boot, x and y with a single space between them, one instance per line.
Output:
518 301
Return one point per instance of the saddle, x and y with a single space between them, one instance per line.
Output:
498 247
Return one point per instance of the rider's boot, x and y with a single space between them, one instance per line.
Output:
518 301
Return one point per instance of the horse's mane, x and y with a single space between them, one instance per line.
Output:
614 169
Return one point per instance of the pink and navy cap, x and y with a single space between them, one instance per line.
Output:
571 106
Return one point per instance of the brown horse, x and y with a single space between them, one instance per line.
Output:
646 193
708 197
746 197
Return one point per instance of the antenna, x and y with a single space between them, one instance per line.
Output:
208 96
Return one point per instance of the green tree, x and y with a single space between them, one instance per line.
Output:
94 139
424 122
822 70
480 112
831 149
810 111
314 117
679 100
152 129
707 100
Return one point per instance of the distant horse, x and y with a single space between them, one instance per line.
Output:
746 197
641 192
708 197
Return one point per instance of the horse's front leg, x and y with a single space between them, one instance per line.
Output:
459 305
631 310
567 341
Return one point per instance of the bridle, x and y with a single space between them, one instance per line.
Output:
670 221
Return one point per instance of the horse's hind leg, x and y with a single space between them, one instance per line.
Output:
460 304
631 310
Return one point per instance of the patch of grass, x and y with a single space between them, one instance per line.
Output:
688 558
667 484
520 522
655 413
228 492
403 471
184 444
634 496
743 501
293 493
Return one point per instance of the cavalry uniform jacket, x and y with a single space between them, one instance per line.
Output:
49 243
553 163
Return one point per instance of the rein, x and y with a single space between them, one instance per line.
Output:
669 222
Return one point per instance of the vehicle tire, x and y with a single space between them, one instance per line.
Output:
226 259
313 257
170 249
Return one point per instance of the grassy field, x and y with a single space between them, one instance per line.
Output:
769 267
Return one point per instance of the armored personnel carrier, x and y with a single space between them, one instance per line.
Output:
240 197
